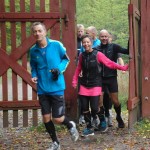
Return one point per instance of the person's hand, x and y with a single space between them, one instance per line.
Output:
55 72
123 72
80 75
125 67
75 86
34 80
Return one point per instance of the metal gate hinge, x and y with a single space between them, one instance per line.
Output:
66 19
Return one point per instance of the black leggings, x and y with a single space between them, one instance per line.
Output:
107 103
91 102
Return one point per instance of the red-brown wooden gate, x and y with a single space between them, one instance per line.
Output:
17 92
134 102
139 25
145 48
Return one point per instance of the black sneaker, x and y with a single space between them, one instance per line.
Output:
120 122
87 132
102 127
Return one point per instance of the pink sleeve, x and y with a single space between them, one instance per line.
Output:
77 72
110 64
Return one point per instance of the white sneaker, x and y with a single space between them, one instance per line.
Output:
95 122
81 120
74 132
110 124
54 146
109 121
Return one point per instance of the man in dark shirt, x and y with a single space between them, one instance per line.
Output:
80 33
109 76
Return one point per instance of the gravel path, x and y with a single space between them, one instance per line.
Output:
115 139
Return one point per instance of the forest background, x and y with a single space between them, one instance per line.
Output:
111 15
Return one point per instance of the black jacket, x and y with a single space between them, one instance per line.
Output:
91 70
111 51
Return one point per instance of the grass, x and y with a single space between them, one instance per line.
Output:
41 128
143 128
123 85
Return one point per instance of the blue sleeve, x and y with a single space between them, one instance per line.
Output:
64 59
82 49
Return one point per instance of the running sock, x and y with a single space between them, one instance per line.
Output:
107 112
51 130
67 123
94 115
118 110
87 118
101 114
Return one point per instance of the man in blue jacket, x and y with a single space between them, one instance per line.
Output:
49 60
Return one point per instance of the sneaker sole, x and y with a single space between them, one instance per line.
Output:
105 130
87 135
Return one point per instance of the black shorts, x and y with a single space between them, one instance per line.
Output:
54 104
110 84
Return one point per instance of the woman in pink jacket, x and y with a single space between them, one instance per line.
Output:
90 87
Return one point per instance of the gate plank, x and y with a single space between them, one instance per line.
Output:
22 49
4 77
14 75
54 7
35 117
52 21
2 6
25 16
68 30
15 105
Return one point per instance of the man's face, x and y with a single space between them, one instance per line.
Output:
104 37
80 32
89 32
39 32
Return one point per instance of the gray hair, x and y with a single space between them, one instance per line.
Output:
103 30
38 23
92 29
80 26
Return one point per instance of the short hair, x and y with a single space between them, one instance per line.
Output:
92 29
80 26
38 23
103 30
87 36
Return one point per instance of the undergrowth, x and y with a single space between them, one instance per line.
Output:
41 128
143 128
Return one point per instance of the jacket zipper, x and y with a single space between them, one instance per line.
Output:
87 67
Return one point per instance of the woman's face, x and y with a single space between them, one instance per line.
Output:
87 44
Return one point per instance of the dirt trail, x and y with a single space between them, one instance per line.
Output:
115 139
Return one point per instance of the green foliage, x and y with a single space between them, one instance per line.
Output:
143 128
41 128
111 15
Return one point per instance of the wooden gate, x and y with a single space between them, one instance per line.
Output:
17 92
145 48
134 102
